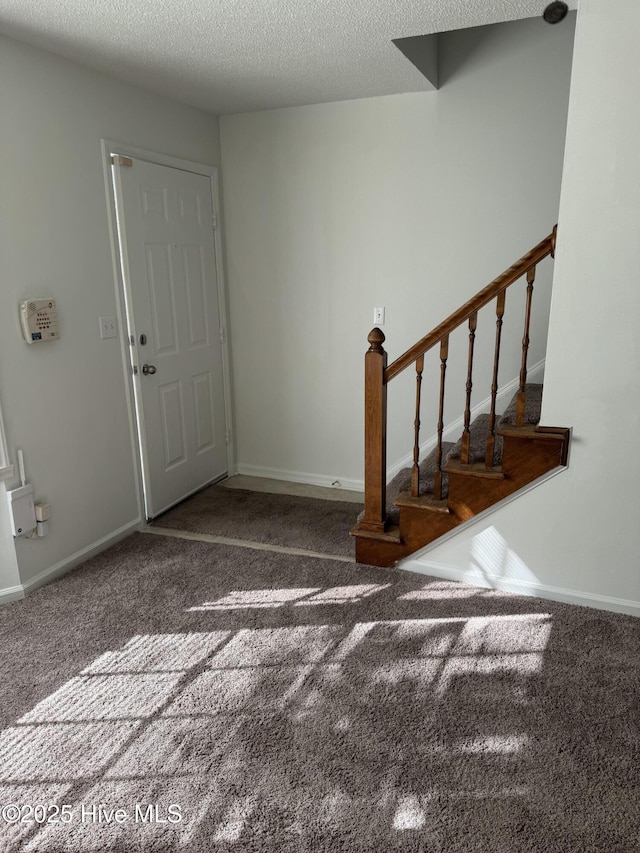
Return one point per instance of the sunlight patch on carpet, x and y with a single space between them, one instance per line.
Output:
265 598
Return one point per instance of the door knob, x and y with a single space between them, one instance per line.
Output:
148 369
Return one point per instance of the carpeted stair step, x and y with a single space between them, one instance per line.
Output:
402 482
479 429
532 409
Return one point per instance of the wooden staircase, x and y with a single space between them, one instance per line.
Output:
495 456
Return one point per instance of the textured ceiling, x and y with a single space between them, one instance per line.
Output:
239 55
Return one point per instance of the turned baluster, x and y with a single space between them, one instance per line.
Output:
437 477
375 434
415 471
491 438
522 396
466 435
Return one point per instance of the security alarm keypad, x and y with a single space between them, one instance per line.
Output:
39 320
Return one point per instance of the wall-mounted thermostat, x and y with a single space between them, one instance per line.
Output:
39 320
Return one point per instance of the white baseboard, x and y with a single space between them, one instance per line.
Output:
486 580
11 593
66 565
301 477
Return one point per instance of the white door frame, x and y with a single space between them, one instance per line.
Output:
110 147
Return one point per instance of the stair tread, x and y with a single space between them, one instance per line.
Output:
475 469
426 502
532 430
391 534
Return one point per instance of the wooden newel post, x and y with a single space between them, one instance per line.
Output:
375 435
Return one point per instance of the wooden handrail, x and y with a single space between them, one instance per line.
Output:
542 250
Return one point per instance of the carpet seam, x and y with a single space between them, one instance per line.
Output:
213 539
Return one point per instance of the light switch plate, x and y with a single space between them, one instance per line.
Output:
378 316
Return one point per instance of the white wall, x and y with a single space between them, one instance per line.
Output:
64 403
577 536
413 202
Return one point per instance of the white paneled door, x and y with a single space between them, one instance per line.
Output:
166 230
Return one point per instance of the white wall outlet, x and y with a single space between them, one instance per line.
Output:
378 316
108 327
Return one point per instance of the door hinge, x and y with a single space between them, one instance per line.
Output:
221 334
214 221
227 436
117 160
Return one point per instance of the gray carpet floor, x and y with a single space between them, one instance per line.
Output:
274 519
284 703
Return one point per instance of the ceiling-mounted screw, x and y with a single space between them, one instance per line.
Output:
555 12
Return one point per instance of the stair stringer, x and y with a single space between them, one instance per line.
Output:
411 559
